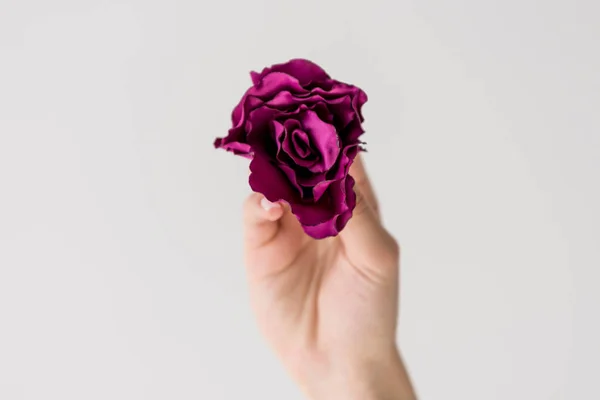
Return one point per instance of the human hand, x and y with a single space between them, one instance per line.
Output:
328 307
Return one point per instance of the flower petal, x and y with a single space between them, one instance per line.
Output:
341 169
350 200
235 141
260 130
309 213
256 77
340 89
301 143
293 180
241 149
322 230
274 83
304 71
342 108
334 225
268 179
286 152
352 132
342 166
309 179
247 104
324 137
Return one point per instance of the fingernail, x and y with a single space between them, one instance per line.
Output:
267 205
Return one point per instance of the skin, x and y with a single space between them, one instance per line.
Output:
329 307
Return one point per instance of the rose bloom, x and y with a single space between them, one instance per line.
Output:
301 130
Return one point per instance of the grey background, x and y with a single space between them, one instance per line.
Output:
120 264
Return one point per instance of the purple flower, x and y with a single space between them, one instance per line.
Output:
301 129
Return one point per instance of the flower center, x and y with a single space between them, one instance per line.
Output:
301 144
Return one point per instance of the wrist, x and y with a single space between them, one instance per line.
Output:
378 378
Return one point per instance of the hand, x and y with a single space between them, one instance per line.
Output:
328 307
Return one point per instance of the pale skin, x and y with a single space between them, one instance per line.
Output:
329 307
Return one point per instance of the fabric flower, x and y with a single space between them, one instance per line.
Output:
301 130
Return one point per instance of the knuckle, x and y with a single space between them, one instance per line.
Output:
251 202
391 252
395 249
361 205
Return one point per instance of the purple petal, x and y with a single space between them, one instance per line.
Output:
336 174
291 124
269 180
320 188
333 202
291 175
350 199
310 179
265 89
342 166
279 135
341 107
359 97
345 196
301 143
342 220
245 105
235 142
260 135
322 230
324 137
336 224
237 148
297 146
312 213
359 100
274 83
256 77
352 132
303 70
323 112
286 153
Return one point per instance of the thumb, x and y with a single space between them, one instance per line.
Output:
260 220
272 236
367 244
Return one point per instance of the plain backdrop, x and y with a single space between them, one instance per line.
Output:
120 253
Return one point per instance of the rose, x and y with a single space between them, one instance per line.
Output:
301 129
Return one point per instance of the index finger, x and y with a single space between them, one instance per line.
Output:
359 173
